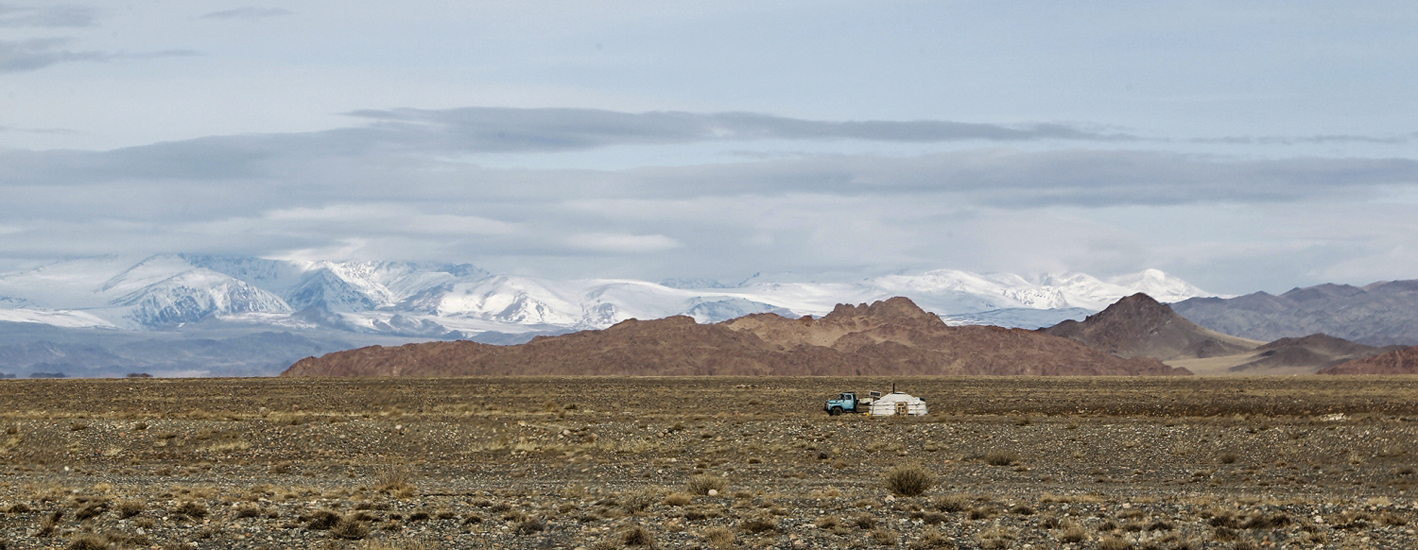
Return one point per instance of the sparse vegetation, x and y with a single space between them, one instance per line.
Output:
719 537
703 483
884 537
637 535
1001 458
911 480
758 525
396 480
349 528
314 464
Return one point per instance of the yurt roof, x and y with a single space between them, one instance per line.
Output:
896 397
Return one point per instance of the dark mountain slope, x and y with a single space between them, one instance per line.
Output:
1138 326
891 337
1381 314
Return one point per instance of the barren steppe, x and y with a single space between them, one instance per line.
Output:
614 462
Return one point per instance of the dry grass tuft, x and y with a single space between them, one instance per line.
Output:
951 503
194 510
349 528
637 535
130 508
1002 458
884 537
320 520
396 480
758 525
910 481
88 542
703 483
49 523
719 537
934 539
89 511
531 525
638 501
1114 543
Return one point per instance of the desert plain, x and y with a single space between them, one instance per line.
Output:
708 462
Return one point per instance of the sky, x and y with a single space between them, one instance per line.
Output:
1240 146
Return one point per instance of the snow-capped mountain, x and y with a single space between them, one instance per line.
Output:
450 301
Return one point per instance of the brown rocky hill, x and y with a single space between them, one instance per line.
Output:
1139 326
1399 361
1316 352
891 337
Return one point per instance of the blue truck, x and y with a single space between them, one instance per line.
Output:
847 402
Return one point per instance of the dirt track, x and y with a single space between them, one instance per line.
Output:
569 462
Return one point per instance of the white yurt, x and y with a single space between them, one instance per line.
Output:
901 403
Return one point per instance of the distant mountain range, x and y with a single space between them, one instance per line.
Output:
1138 326
463 301
1379 314
213 315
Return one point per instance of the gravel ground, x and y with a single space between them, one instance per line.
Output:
549 463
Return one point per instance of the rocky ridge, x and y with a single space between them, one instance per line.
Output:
1399 361
1316 350
893 337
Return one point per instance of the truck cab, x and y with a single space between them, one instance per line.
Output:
847 402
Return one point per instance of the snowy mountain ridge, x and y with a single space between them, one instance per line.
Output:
460 300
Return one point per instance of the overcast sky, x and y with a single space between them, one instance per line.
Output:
1241 146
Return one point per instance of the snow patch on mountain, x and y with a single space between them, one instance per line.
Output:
195 295
58 318
1025 318
731 308
446 301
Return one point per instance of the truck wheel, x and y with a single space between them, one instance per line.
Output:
834 411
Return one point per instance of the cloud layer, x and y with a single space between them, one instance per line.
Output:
407 184
50 16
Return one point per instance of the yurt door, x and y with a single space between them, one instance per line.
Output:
901 408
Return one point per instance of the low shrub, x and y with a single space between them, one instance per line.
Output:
951 503
1001 458
637 535
677 499
130 508
89 511
884 537
531 525
194 510
758 525
719 537
349 529
1114 543
909 481
321 520
88 542
701 484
